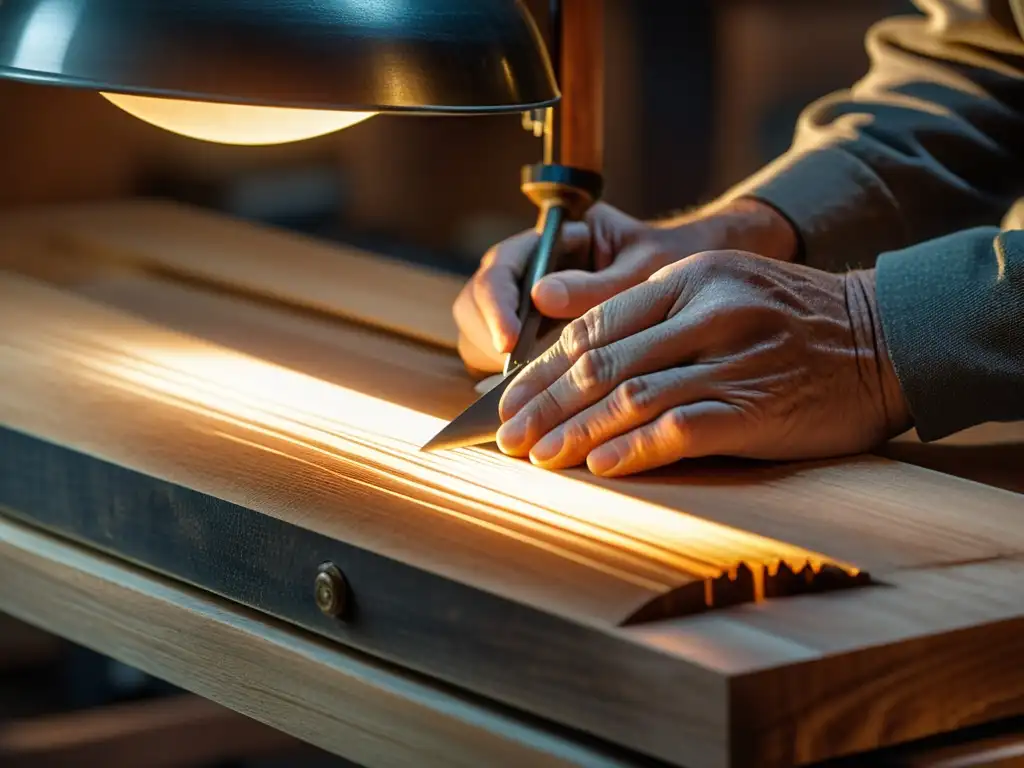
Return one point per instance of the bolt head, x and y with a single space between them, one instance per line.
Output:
330 590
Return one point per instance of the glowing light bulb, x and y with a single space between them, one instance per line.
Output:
235 123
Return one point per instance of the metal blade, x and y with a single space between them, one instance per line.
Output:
477 425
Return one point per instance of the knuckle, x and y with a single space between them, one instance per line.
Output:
593 369
631 397
675 425
575 338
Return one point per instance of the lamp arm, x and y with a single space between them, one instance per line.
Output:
573 130
578 131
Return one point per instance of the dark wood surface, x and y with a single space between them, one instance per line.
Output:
182 731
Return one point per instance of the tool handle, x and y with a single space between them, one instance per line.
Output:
542 261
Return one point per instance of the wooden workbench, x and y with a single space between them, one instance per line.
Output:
197 414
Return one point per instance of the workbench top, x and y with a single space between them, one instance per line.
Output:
180 396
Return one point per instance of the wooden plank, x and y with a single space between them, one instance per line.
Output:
188 395
338 700
992 454
335 279
956 632
175 732
877 513
223 395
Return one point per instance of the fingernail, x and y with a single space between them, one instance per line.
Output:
498 340
548 448
553 295
511 435
603 460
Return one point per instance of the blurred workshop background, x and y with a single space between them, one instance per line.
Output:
700 93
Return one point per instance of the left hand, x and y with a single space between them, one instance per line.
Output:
723 353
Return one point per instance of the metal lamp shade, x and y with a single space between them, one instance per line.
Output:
433 56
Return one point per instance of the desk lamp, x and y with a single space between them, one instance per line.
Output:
269 71
273 71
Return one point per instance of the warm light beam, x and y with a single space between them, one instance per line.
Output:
235 123
358 436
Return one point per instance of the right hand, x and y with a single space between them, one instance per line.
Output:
625 252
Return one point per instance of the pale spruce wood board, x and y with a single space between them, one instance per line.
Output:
735 650
68 365
191 243
375 291
551 661
339 700
875 513
992 454
940 649
198 245
743 633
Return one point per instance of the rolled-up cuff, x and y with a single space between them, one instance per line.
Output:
842 212
952 312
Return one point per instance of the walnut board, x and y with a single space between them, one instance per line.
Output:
269 411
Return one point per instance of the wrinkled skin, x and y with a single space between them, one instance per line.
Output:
721 353
622 251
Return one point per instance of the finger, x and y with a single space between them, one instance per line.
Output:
628 313
479 362
630 405
706 428
663 346
496 284
570 293
473 331
495 288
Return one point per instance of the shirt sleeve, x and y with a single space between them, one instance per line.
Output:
930 141
952 313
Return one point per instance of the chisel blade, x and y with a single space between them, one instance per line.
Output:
478 424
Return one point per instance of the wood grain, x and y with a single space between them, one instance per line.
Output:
179 391
992 454
876 513
937 650
340 701
238 399
342 281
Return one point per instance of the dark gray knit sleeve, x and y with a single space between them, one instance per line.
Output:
952 314
931 141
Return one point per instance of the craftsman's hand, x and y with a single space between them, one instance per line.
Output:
624 252
724 353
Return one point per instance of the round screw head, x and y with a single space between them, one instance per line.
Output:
330 590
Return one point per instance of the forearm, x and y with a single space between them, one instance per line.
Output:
929 142
952 315
744 224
